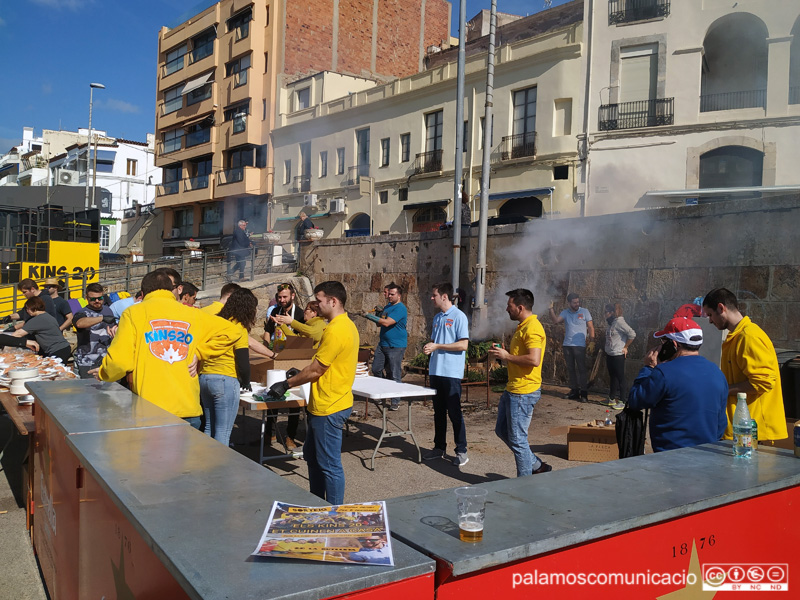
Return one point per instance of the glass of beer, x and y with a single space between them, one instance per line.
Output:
471 513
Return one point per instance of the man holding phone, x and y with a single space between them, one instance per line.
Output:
686 392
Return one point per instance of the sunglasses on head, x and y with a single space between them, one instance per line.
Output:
285 286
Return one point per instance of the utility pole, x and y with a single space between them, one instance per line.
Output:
92 87
480 308
459 158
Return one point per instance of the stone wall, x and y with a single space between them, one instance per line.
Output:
650 262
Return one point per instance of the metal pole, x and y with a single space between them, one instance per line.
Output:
480 309
252 263
205 269
459 158
92 86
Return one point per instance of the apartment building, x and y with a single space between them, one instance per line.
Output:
381 160
219 76
689 101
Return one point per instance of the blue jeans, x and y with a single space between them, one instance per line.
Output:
323 454
447 402
219 395
513 419
193 421
391 360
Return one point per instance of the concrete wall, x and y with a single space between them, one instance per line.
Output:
650 262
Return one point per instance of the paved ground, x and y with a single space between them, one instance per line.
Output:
396 471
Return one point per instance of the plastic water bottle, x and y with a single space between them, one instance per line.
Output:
742 430
607 422
754 429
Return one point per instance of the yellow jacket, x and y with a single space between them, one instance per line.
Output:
156 340
748 354
312 329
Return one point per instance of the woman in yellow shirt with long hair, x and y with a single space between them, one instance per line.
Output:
312 328
221 378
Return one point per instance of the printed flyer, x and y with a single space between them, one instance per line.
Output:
347 533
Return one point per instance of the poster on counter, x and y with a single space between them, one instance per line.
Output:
347 533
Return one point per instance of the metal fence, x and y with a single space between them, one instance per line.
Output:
628 11
733 100
204 269
641 113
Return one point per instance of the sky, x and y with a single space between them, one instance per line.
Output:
53 49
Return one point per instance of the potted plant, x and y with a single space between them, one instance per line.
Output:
191 244
314 233
273 237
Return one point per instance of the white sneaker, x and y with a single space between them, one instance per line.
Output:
460 459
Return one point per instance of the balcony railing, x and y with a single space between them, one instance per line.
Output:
184 231
176 64
519 145
428 162
302 183
201 51
234 175
196 183
354 174
167 189
627 11
733 100
794 95
642 113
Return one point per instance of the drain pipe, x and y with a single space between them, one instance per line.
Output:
459 157
480 311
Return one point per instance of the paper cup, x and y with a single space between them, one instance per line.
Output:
274 376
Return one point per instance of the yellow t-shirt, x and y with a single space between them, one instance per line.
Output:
521 379
338 351
213 308
225 364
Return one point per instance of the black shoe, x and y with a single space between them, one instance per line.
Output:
584 397
543 468
573 395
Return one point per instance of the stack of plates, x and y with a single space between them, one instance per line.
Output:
362 370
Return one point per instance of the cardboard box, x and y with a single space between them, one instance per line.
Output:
290 358
590 442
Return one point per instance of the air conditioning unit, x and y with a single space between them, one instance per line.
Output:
176 232
310 200
337 206
66 177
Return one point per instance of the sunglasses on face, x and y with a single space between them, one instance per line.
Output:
94 299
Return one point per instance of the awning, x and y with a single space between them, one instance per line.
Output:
521 194
8 166
197 83
416 205
103 156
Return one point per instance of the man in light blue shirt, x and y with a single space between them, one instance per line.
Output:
118 307
450 335
578 323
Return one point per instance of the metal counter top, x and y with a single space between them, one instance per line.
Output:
529 516
202 508
87 405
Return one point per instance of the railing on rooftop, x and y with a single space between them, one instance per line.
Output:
428 162
628 11
641 113
733 100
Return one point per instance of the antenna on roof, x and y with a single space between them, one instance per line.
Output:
548 3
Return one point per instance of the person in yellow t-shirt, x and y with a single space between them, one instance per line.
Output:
158 342
312 328
524 388
224 294
222 377
750 365
331 374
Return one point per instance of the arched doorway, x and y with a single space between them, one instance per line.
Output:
734 71
731 166
358 226
428 218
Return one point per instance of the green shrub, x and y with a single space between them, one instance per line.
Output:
420 360
498 375
474 375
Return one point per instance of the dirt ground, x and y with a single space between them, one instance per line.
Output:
396 471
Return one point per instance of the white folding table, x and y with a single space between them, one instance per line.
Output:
295 405
375 389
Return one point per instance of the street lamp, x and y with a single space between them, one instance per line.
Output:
92 86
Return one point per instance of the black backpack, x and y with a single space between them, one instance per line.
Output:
631 429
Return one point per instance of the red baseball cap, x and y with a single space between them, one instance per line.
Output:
683 330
